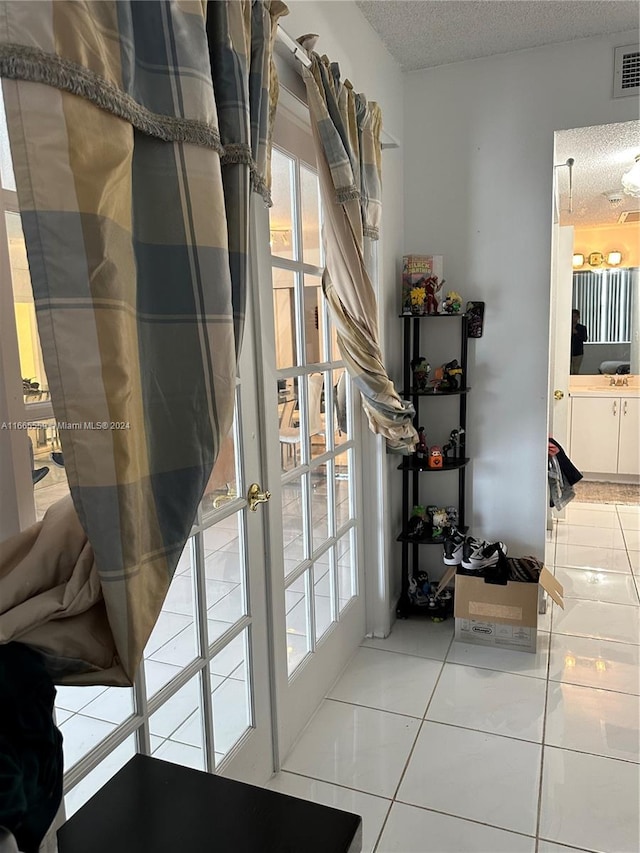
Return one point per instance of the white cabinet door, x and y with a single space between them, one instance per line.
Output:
594 434
629 450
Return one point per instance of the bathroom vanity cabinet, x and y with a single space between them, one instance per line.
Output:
605 430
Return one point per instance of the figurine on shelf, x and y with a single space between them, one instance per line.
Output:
434 460
453 303
422 449
453 445
447 377
432 288
420 524
421 370
418 296
439 520
452 518
419 589
416 528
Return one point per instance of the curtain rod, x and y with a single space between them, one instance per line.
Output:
386 140
293 46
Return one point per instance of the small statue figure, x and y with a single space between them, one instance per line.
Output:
434 459
432 288
453 303
453 445
419 525
421 370
447 376
439 521
422 449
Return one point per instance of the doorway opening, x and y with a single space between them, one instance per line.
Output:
594 361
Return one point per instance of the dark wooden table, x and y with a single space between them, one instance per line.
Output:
152 806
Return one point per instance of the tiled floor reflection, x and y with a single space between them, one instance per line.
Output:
445 747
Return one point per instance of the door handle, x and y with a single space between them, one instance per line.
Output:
624 411
255 496
615 408
558 395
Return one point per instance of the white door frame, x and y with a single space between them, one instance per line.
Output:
559 336
297 697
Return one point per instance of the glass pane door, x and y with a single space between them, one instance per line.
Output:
313 525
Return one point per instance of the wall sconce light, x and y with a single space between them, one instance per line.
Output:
597 259
631 179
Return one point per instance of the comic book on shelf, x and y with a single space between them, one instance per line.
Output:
415 269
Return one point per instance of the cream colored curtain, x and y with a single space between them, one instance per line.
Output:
346 132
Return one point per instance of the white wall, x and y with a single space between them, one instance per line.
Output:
478 154
347 38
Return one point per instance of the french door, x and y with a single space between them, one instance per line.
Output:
265 608
311 433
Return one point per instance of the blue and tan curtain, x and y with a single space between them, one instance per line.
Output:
136 130
346 131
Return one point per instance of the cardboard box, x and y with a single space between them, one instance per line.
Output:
518 638
504 616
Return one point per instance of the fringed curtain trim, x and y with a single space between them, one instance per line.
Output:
19 62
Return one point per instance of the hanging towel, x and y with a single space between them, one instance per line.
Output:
569 470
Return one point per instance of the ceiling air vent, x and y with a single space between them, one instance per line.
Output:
629 216
626 76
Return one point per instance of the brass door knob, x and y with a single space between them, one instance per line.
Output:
558 395
255 496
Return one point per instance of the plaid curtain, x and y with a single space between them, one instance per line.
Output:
241 37
346 131
138 267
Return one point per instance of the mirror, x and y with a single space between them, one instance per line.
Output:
606 245
605 300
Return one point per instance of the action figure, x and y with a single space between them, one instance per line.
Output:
432 289
421 370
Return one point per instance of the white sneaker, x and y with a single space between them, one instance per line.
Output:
478 554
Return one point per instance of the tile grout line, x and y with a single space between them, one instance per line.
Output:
544 730
484 731
371 708
467 819
399 652
591 686
412 750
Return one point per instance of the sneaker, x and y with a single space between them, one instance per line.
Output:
452 548
58 459
471 546
39 474
478 555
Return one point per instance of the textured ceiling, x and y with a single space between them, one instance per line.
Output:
602 155
425 33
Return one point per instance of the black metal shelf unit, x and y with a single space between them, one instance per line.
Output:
412 468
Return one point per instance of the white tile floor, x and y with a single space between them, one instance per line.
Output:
450 748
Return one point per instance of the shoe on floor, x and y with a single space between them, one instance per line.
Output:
58 459
452 548
478 555
39 474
